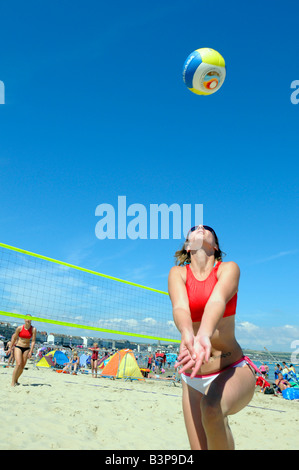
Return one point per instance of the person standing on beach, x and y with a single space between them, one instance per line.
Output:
292 368
263 370
217 379
22 349
11 355
94 359
149 361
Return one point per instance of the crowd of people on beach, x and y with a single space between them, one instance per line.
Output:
155 364
285 377
160 361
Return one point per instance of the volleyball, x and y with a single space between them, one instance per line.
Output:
204 71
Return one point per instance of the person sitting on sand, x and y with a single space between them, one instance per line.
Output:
73 363
260 381
277 370
281 383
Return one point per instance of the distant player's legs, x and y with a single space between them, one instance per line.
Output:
21 359
94 365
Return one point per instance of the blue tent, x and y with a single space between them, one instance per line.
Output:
84 360
59 357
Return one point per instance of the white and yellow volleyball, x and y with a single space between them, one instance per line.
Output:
204 71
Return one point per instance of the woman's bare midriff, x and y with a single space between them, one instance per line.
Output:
23 343
225 351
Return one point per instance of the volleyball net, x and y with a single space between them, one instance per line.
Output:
75 298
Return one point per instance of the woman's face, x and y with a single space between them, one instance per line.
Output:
27 323
201 237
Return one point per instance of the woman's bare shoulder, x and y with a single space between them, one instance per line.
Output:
229 268
178 272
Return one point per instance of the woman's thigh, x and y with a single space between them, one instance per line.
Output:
233 389
192 416
19 357
25 356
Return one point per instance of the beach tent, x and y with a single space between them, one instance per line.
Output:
122 365
103 362
52 359
84 359
45 362
58 356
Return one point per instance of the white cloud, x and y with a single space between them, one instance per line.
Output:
247 326
149 321
276 338
275 256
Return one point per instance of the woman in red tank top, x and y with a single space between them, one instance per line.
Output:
23 336
217 379
94 359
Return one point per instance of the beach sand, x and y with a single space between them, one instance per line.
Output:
49 410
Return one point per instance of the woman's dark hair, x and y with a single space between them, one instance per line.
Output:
183 256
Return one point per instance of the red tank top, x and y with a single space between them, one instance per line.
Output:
95 355
26 334
199 293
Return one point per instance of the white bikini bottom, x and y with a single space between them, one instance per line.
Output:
201 382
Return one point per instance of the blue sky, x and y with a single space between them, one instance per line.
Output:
95 108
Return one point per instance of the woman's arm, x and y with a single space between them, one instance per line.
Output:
181 316
32 342
15 337
224 290
179 299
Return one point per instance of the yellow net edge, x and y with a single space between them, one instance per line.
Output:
87 327
79 268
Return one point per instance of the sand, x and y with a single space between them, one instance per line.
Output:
58 411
